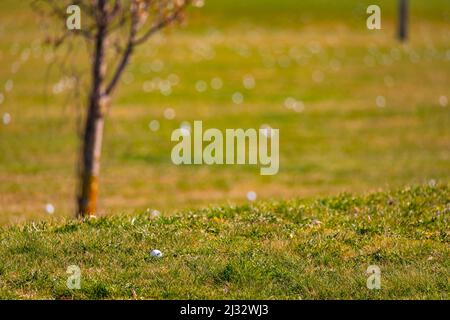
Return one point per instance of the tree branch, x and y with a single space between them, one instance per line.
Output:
161 24
125 56
115 10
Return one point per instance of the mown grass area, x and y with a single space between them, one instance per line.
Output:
315 249
374 113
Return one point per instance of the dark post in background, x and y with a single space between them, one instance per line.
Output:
403 20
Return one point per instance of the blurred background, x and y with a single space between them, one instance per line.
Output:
357 109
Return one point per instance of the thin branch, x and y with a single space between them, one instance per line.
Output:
57 11
126 54
115 10
161 24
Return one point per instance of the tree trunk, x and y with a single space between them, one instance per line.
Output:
403 20
90 166
89 175
93 130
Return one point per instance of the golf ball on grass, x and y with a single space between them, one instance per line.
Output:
155 213
49 208
251 196
156 253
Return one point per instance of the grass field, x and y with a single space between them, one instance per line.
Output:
373 113
315 249
359 114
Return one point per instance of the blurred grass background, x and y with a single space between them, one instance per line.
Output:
372 113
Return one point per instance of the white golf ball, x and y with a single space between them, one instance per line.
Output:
6 118
49 208
251 196
155 213
156 253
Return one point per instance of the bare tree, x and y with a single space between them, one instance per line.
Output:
403 20
114 28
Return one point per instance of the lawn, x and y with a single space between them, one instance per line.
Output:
297 249
364 173
371 113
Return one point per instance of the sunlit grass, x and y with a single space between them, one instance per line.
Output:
317 249
341 141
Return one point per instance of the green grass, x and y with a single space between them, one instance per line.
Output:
275 247
315 249
341 141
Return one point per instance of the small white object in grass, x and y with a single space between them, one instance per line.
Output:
201 86
380 101
294 104
432 183
6 118
216 83
298 106
165 87
198 3
57 88
251 196
443 101
248 82
15 67
169 113
25 55
156 253
155 213
154 125
49 208
237 98
9 85
289 102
